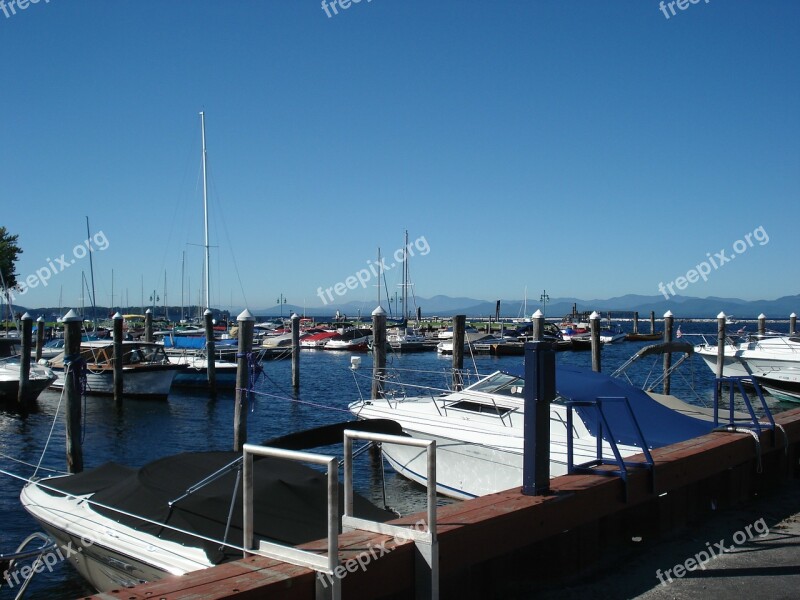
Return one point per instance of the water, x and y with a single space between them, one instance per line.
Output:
139 431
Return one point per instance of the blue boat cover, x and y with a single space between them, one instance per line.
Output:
660 425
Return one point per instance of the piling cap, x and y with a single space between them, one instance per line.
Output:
762 316
379 312
27 317
117 316
245 316
792 316
70 317
537 315
668 314
722 315
148 312
594 315
40 319
294 316
207 312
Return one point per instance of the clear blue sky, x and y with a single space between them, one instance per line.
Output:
590 148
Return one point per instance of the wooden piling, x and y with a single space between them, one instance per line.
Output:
378 351
211 353
246 324
594 328
635 323
295 318
118 374
539 392
40 327
762 325
459 322
652 321
792 324
25 360
668 322
148 325
721 318
537 320
73 366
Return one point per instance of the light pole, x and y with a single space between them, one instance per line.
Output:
281 302
153 300
544 299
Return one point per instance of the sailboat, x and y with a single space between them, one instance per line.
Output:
404 338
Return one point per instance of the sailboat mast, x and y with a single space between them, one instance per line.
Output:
205 210
405 278
183 284
91 271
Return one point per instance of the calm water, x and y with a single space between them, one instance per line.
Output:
140 431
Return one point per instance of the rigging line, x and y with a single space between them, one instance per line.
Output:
300 401
29 464
52 427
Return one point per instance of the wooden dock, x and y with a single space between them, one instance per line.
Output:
492 544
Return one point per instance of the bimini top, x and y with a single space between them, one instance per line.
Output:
290 499
660 425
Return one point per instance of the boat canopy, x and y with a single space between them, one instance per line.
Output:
290 499
660 425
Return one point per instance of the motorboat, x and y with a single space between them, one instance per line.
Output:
759 356
470 339
405 339
39 376
353 340
194 371
783 384
146 370
122 526
479 430
319 339
612 335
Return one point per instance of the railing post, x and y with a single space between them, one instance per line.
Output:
378 351
594 326
539 391
118 373
25 360
246 324
668 322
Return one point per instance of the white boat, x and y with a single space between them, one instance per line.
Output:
470 338
783 384
479 431
39 376
354 340
754 356
611 336
146 369
405 339
120 526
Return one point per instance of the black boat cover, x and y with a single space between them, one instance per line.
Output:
290 499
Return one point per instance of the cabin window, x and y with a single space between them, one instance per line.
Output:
501 383
477 407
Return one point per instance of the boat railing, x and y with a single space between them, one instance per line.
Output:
39 554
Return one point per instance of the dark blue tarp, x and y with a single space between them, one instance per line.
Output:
660 425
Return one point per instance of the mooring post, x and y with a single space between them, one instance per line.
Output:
459 322
762 325
635 323
211 353
792 324
378 351
668 322
721 318
148 325
73 367
539 391
652 321
25 360
246 324
594 327
40 327
118 374
295 320
537 322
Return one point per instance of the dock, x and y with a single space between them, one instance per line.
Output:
495 544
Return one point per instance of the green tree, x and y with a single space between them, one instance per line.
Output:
9 251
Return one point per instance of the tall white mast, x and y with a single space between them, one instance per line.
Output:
205 210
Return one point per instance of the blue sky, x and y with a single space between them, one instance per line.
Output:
590 148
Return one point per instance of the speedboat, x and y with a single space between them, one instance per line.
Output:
354 340
470 339
610 336
39 376
319 339
783 384
146 370
758 356
405 339
122 526
479 430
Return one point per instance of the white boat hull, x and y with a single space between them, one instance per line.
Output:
154 381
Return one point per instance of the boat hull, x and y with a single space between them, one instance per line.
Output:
152 381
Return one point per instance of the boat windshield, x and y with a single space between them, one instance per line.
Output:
500 383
